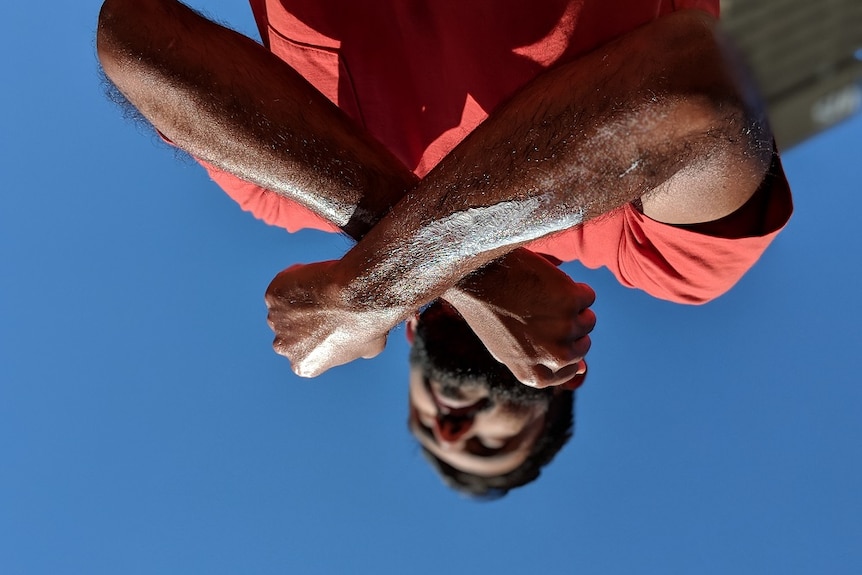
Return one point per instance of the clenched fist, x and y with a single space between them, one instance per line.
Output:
535 321
314 326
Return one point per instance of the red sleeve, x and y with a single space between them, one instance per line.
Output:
670 262
266 205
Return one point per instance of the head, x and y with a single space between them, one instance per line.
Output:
479 427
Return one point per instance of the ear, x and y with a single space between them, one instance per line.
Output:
410 328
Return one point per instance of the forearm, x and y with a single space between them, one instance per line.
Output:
227 100
622 123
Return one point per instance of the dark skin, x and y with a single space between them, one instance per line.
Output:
674 126
249 113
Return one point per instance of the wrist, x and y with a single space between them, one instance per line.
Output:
349 289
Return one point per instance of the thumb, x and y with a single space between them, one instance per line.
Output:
375 347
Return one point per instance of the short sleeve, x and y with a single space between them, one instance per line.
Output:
670 262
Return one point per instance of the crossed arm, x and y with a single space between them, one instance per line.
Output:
229 101
660 115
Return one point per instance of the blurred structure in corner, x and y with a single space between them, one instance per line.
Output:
807 58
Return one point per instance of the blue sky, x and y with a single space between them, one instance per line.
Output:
147 427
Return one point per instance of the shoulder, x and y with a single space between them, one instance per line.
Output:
729 135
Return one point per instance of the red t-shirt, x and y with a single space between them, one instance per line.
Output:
420 76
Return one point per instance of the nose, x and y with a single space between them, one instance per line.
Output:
450 428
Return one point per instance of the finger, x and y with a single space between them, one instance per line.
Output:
271 296
579 378
301 368
531 377
568 351
586 320
287 278
289 270
587 295
317 361
580 347
324 358
375 347
554 260
582 367
304 369
281 347
544 377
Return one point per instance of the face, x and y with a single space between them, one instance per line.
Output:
469 428
467 409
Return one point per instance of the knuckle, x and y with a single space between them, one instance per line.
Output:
542 375
527 376
280 347
272 290
274 298
582 347
587 319
531 382
374 347
554 363
305 371
588 295
380 344
566 374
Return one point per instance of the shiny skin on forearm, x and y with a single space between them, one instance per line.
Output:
227 100
578 142
243 125
209 114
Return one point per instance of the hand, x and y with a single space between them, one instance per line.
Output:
535 320
313 326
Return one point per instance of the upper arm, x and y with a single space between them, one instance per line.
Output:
738 143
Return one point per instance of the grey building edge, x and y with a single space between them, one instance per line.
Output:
806 58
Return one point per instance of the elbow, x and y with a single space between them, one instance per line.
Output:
103 33
735 126
110 37
122 33
127 43
722 157
724 147
719 97
741 150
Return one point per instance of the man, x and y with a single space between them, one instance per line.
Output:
478 427
635 111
